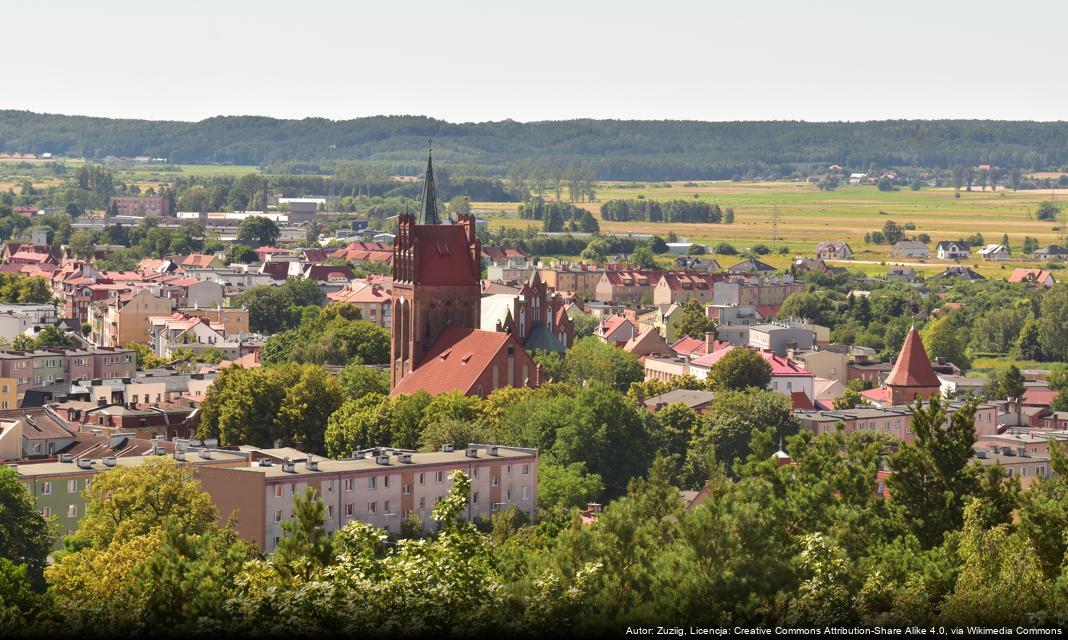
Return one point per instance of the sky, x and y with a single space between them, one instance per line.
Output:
473 60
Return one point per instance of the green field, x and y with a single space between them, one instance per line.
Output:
808 216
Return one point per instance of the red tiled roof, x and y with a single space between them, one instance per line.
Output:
779 366
500 253
1030 275
690 346
878 394
456 360
197 260
913 367
1039 397
801 401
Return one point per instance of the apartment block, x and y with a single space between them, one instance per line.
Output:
379 487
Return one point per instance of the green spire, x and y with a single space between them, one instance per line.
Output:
428 203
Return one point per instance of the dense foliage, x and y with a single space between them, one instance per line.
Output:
615 149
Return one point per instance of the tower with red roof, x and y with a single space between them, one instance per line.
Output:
912 377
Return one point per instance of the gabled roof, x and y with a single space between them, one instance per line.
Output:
1031 275
647 341
688 346
913 367
502 253
456 360
779 366
445 255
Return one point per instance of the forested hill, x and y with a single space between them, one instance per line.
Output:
617 149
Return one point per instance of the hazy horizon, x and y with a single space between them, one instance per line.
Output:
485 61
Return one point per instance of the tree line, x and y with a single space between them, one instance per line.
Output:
612 149
665 211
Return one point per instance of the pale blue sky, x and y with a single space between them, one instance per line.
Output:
480 60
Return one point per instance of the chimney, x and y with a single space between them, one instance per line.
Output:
471 452
710 341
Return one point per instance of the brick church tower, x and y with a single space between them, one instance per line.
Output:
912 377
436 281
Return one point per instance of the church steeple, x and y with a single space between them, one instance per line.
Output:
428 203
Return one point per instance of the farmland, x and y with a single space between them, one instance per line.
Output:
808 216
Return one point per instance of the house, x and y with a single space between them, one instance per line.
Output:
373 299
140 206
953 250
813 265
733 321
787 376
752 265
1033 278
994 253
616 330
580 280
507 264
894 421
910 249
901 274
701 264
648 342
436 344
831 363
857 178
1051 252
834 250
960 272
123 319
627 286
697 400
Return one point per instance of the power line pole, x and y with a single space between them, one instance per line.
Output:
775 228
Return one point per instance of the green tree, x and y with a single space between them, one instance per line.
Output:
306 547
1053 323
694 321
25 536
1005 383
452 431
240 254
257 231
942 339
130 501
735 417
739 368
590 360
567 486
308 403
1044 513
643 258
358 380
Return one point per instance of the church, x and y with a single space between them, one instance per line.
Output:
437 344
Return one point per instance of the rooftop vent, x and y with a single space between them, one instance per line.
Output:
311 465
446 448
179 456
289 467
109 461
382 460
205 454
405 458
471 452
85 463
493 451
357 455
66 457
266 462
211 443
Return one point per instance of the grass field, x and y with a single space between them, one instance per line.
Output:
808 216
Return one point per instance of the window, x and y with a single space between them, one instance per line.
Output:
406 489
278 516
508 494
348 510
72 511
330 511
278 491
88 482
46 488
526 493
72 486
422 504
508 470
46 512
474 473
422 478
372 482
385 507
439 477
385 482
474 498
495 481
526 469
348 484
372 507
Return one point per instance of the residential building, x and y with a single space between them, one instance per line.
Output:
750 266
627 286
831 362
16 318
120 320
910 249
373 298
380 487
953 250
141 206
697 400
960 272
780 338
994 253
1050 252
834 250
580 280
787 377
1033 277
617 330
679 287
